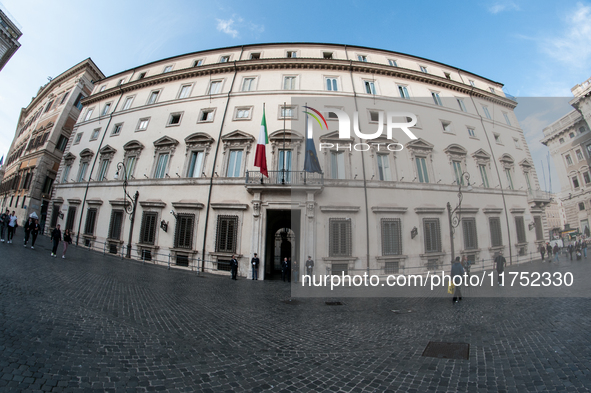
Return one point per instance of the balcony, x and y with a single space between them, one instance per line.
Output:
278 180
539 197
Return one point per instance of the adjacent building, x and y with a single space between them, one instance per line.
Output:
42 133
569 141
9 36
181 134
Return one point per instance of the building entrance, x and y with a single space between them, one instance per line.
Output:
282 240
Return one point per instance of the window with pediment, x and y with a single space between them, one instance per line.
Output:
85 157
383 153
198 147
482 159
132 149
457 159
286 148
163 151
526 167
237 145
337 161
421 153
507 163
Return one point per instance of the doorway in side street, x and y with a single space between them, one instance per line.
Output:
282 240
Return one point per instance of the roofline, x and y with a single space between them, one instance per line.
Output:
301 43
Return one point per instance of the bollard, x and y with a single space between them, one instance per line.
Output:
168 261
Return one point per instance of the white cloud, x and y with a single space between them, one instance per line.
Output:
225 26
501 6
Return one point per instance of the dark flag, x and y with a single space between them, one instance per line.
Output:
311 163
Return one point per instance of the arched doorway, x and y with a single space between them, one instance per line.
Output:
282 240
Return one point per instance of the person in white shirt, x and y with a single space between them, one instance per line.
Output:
12 225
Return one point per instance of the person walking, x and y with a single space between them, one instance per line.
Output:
12 225
234 267
500 262
457 270
56 237
310 267
556 253
67 240
570 251
255 267
549 251
3 224
543 251
35 232
28 228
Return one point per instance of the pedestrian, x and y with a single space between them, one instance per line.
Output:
584 247
35 232
284 269
28 228
296 271
234 267
500 262
3 224
543 251
12 225
556 252
310 267
56 237
457 270
67 240
549 251
570 251
255 267
288 270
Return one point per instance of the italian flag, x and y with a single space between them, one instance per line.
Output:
260 157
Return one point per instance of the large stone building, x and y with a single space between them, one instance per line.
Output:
569 141
9 36
185 130
41 136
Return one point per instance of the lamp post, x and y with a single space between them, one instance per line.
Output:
454 215
129 207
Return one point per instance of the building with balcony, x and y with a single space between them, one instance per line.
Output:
9 36
182 133
41 136
569 141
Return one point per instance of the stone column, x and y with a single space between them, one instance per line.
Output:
256 238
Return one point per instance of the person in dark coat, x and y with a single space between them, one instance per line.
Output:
234 267
35 232
570 251
28 228
457 270
56 237
500 262
67 240
543 251
556 252
549 251
255 267
3 224
309 267
284 269
288 270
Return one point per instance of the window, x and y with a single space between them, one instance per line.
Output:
571 135
586 177
469 229
471 132
516 142
492 90
462 105
148 228
284 162
95 134
195 164
337 164
528 183
88 114
581 206
569 160
496 239
288 112
255 56
384 167
77 103
46 187
457 166
242 113
432 235
423 69
506 116
215 87
197 63
486 113
224 59
520 226
331 84
175 119
61 143
153 97
327 55
289 83
362 58
436 98
423 175
539 229
49 106
370 87
248 84
340 237
117 129
103 170
143 124
115 224
185 91
106 109
509 179
83 169
64 98
471 83
561 140
393 63
575 182
183 235
127 103
391 236
403 90
78 138
498 138
226 234
161 165
71 217
292 54
446 126
141 76
90 221
167 69
120 82
67 169
206 115
579 155
234 163
447 75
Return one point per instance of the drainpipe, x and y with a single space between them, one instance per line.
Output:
217 149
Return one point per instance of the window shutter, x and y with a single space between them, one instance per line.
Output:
148 231
183 237
90 218
340 237
470 238
115 224
520 225
227 232
391 236
539 230
495 231
432 235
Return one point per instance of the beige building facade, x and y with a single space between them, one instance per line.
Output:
185 131
9 36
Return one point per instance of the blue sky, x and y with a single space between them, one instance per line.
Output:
535 48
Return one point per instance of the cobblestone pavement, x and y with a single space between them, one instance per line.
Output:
98 323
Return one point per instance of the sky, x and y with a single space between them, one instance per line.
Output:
535 48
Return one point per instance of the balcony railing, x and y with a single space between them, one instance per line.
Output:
290 178
538 195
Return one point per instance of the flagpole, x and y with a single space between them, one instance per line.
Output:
283 171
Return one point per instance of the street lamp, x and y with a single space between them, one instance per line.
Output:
454 215
129 207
